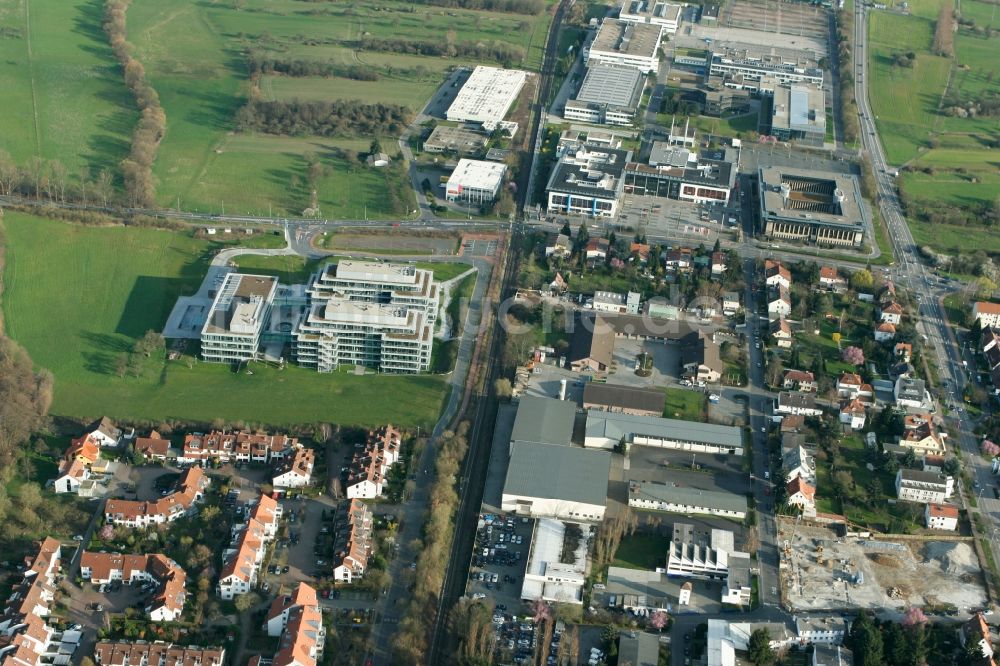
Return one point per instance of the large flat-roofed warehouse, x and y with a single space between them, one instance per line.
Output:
556 481
605 430
237 318
457 140
543 421
821 207
622 399
628 44
487 95
799 113
587 182
609 95
663 14
678 173
475 181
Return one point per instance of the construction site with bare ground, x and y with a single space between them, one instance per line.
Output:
821 571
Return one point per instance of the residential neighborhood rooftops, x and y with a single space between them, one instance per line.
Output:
561 472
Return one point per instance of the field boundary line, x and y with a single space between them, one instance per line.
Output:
31 78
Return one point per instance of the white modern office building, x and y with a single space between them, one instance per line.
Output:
475 181
626 44
238 316
487 95
609 95
663 14
587 182
745 69
798 112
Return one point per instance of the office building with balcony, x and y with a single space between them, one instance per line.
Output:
238 316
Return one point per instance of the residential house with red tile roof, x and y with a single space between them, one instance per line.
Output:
885 332
303 639
371 461
295 471
719 264
133 513
247 549
852 414
941 516
141 653
987 313
776 275
166 603
802 494
25 636
238 446
829 278
352 545
798 380
278 614
154 447
903 351
891 312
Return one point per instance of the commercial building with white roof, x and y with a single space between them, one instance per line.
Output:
487 95
663 14
799 113
475 181
609 95
628 44
546 576
587 182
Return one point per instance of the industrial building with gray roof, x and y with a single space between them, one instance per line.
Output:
604 430
542 420
556 481
609 94
683 499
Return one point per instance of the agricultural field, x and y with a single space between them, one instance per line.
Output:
905 100
63 95
401 243
78 297
193 55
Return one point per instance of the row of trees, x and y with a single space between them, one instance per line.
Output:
944 32
323 118
412 639
509 6
847 104
266 63
137 168
913 640
501 52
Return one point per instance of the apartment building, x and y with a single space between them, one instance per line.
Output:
154 447
142 653
240 446
371 462
920 434
297 619
790 402
166 603
923 487
131 513
941 516
353 541
246 551
237 318
379 282
987 313
296 471
26 639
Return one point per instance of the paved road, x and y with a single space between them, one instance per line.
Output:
940 338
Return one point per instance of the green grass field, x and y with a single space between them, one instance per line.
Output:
77 297
905 100
683 404
192 54
57 69
642 551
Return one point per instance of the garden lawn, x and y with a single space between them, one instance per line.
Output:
78 297
684 405
412 94
58 74
641 551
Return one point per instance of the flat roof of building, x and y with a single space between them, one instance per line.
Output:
374 271
611 86
634 39
806 195
616 426
620 396
651 10
591 171
638 648
478 174
362 312
687 496
459 139
239 304
544 420
487 94
715 168
554 471
799 108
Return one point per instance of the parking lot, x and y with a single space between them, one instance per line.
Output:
499 559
